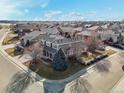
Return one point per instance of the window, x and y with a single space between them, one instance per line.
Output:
51 45
51 56
47 54
44 52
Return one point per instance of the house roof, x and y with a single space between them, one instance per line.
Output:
105 26
25 26
53 30
67 29
32 35
78 29
93 28
85 33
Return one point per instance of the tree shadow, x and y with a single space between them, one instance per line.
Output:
123 67
19 82
103 66
81 85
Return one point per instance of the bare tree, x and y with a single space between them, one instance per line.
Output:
81 85
37 50
103 66
19 83
93 45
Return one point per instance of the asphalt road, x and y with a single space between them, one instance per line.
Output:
103 77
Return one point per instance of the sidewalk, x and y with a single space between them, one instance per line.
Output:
119 87
102 80
23 58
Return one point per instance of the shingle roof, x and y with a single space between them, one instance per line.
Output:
32 35
67 29
50 30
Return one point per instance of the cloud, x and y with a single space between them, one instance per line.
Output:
71 16
51 14
11 8
44 3
60 16
26 10
7 9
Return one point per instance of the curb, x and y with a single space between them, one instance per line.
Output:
116 84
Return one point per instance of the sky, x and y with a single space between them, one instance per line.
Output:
62 10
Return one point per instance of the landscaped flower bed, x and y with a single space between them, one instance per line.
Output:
96 56
87 58
110 52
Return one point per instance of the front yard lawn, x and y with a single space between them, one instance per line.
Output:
48 72
9 40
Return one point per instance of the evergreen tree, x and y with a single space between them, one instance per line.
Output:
60 61
111 39
120 39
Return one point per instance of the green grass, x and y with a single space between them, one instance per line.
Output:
48 72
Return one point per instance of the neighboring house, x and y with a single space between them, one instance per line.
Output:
33 36
69 31
29 27
51 31
95 28
6 26
73 41
89 36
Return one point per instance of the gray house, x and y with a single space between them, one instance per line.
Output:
70 46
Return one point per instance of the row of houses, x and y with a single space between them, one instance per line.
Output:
72 40
52 39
